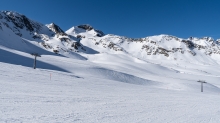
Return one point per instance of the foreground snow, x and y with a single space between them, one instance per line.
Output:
99 91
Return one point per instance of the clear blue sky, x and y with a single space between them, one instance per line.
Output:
131 18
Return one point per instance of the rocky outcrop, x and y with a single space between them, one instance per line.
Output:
21 22
85 26
89 28
99 33
56 29
188 43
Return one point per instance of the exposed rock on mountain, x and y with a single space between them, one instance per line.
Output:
161 45
20 22
85 27
56 29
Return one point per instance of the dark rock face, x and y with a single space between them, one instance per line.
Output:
100 33
189 44
89 28
155 51
86 27
27 23
56 51
57 29
78 45
163 51
21 21
75 45
80 37
65 39
199 46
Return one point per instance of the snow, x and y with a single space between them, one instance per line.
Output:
105 88
119 84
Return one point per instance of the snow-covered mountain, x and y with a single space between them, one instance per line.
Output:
153 47
84 75
17 28
86 39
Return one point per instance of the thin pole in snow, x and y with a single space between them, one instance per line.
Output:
35 59
201 81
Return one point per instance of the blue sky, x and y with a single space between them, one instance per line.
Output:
131 18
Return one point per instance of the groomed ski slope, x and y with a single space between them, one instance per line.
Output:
106 88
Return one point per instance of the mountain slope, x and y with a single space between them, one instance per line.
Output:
16 28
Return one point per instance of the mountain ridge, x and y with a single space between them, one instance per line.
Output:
82 39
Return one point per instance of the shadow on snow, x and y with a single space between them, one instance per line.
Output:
12 58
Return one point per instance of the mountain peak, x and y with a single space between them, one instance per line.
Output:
12 13
56 29
18 22
84 30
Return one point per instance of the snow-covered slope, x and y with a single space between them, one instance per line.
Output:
17 29
84 75
109 88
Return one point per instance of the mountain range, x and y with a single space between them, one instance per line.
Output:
16 29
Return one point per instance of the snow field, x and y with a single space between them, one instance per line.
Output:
30 96
93 92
